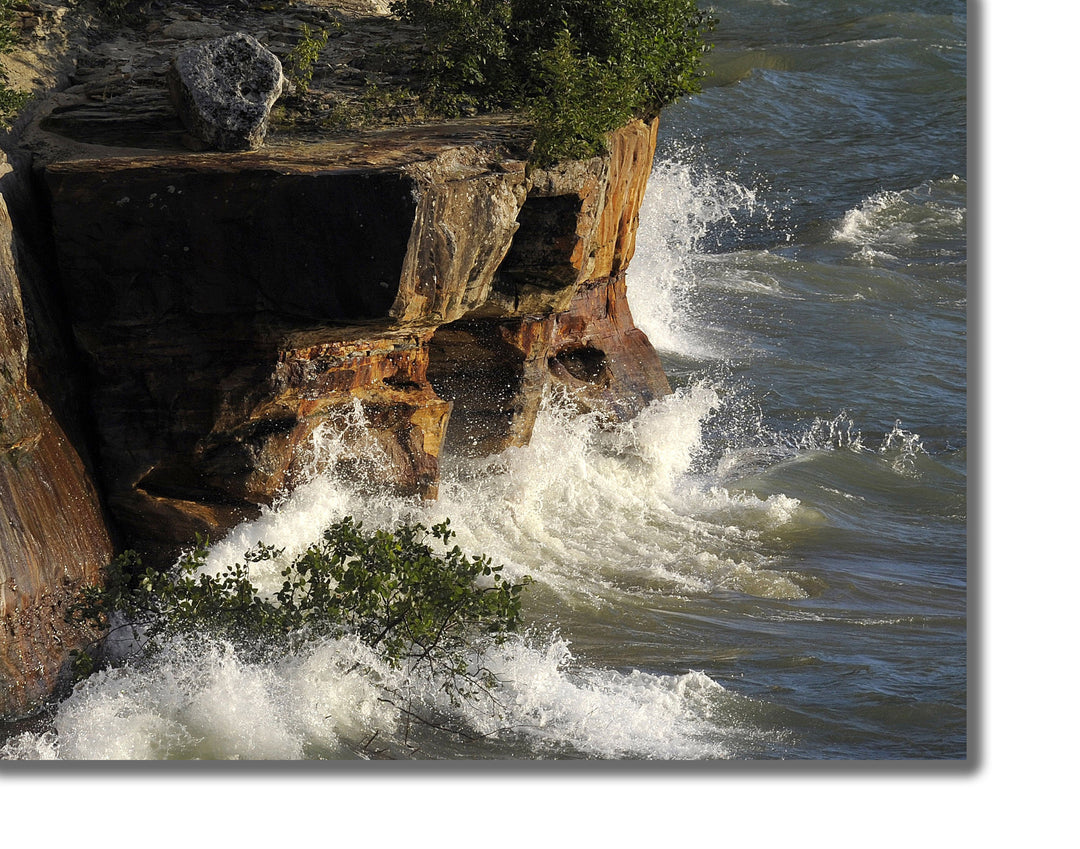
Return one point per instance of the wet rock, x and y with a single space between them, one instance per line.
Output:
557 313
494 372
333 301
578 224
224 89
389 293
606 363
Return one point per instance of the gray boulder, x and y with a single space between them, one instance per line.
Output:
224 90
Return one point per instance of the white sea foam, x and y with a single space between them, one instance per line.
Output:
587 508
681 204
337 699
596 513
583 507
893 223
608 714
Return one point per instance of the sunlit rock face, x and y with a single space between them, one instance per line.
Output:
232 306
557 313
391 292
53 535
193 307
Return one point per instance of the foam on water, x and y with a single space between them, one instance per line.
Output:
583 508
573 467
682 205
648 532
335 698
588 508
893 223
602 713
596 513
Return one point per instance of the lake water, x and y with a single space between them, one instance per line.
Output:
769 564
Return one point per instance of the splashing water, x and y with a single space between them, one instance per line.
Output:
903 222
605 517
337 699
683 204
902 448
741 572
595 512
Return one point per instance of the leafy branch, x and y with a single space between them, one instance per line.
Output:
301 60
390 589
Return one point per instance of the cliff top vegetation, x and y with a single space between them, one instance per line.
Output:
572 69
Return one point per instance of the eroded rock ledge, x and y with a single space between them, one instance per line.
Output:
229 304
224 307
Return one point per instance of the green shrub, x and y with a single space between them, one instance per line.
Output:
390 589
11 101
579 68
467 60
300 61
8 36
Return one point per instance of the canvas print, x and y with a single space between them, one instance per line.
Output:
483 380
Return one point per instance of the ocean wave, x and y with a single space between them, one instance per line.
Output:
590 509
906 223
335 698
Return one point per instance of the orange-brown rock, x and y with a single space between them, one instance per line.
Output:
53 543
223 325
558 312
604 361
578 224
53 536
232 305
494 371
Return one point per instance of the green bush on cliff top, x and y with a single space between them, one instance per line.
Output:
11 100
579 67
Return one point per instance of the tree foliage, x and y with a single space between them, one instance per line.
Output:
11 100
579 67
390 589
300 61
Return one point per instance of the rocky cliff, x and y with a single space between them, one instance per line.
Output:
223 306
53 535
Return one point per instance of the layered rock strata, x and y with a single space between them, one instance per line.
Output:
233 306
557 313
391 294
53 535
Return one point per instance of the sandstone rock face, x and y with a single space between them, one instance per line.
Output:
224 89
413 287
557 314
237 310
242 320
53 537
600 357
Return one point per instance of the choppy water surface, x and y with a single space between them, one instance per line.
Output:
770 563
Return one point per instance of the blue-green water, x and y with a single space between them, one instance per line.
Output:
769 564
